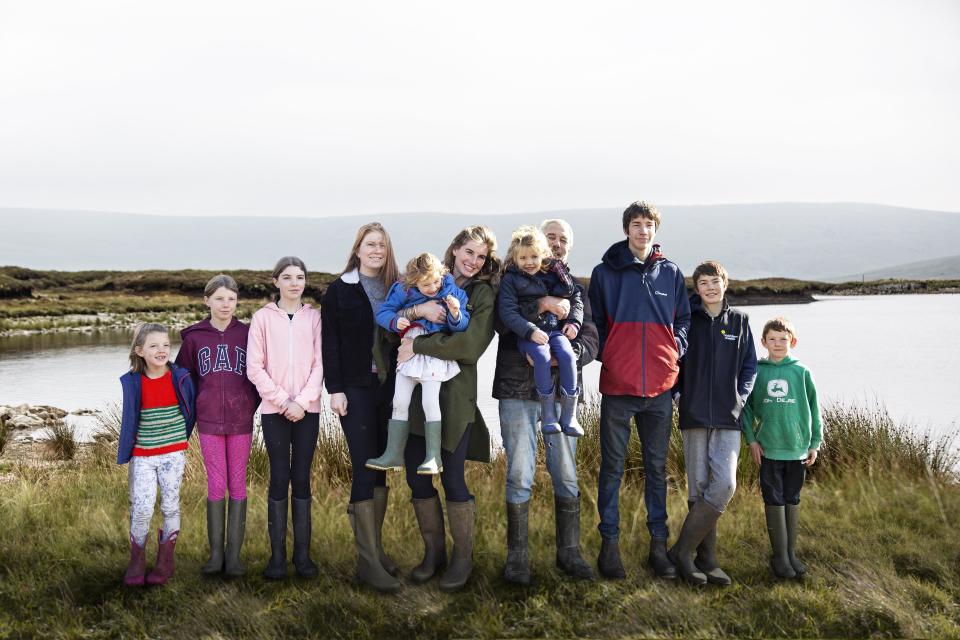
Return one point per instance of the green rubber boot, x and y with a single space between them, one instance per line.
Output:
432 463
792 512
392 458
777 529
216 513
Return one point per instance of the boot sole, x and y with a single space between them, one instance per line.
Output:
383 467
430 473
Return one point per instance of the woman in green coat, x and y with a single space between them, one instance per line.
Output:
471 260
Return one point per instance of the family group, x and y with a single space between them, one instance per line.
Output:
397 353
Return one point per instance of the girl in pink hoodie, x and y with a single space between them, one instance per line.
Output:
284 362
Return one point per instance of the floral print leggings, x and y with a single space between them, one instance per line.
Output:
146 473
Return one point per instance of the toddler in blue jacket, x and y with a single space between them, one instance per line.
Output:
425 279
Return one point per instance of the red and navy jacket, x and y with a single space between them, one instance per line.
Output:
642 315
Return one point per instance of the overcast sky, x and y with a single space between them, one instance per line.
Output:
323 108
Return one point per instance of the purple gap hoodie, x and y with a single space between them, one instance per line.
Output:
217 362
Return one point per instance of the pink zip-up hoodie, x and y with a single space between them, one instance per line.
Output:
284 359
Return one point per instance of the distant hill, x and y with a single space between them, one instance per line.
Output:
936 269
806 241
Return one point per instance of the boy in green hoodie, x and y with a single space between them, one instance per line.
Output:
781 422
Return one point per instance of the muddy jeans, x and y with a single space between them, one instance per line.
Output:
146 473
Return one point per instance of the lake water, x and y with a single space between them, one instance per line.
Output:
895 350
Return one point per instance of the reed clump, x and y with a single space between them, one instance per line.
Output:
60 441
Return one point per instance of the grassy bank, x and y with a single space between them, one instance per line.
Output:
879 531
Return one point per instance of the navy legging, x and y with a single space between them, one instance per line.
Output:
454 485
365 428
290 447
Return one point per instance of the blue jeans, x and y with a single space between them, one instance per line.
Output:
559 347
654 419
518 428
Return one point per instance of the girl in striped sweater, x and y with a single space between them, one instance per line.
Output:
158 417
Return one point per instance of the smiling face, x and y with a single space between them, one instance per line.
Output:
431 286
222 304
640 234
711 289
528 260
469 258
557 239
155 350
778 344
372 253
291 283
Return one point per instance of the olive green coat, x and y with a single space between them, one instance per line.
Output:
458 396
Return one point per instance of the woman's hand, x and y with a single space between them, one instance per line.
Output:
294 412
432 311
756 451
338 403
405 352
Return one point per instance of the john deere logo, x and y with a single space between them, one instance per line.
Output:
778 388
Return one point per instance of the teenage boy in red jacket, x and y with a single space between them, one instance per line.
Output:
642 314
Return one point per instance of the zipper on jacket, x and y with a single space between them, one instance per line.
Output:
643 337
290 350
223 401
713 374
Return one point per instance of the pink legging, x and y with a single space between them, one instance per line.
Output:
225 458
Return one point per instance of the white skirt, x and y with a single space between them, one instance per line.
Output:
421 367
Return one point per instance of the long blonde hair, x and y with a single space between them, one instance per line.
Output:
389 272
490 271
530 237
140 333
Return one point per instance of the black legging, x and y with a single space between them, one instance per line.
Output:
454 484
365 428
280 436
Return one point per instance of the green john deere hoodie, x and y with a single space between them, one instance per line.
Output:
782 413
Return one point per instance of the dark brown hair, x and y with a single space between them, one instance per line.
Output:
641 209
710 268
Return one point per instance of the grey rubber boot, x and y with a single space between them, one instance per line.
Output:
517 568
432 463
392 458
430 518
706 560
792 513
277 529
363 521
236 529
777 530
698 523
216 513
609 562
567 515
568 416
380 495
548 414
462 518
302 532
658 561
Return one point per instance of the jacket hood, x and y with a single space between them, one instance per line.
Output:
619 256
766 362
697 306
273 307
205 326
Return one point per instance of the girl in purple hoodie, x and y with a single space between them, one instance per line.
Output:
214 351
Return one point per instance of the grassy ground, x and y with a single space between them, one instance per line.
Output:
878 531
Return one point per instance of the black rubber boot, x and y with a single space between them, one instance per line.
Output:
548 414
698 523
792 513
609 562
777 530
277 530
517 568
216 512
363 521
302 531
430 518
462 519
707 560
380 495
658 561
236 528
569 560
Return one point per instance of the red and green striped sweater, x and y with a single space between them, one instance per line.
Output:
162 428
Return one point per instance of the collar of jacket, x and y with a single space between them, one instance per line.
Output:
351 277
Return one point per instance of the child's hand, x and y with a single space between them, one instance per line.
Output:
756 452
453 304
402 323
571 331
539 337
811 457
294 412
